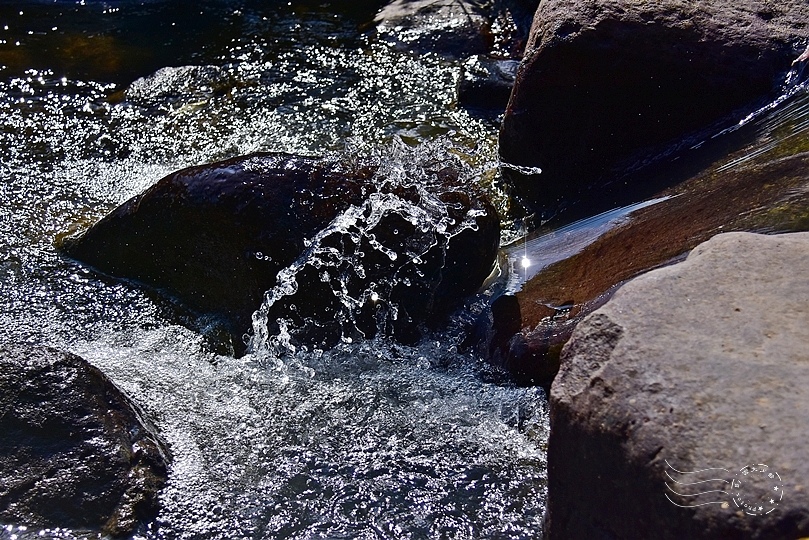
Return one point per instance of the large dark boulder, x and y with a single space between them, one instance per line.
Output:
704 364
216 236
74 451
603 86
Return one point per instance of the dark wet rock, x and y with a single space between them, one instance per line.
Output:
74 451
216 236
457 28
398 264
485 83
762 186
451 27
605 85
698 365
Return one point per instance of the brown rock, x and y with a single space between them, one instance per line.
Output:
604 85
763 185
703 364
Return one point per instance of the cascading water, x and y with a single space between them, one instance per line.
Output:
378 259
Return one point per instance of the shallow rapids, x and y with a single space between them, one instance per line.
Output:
368 440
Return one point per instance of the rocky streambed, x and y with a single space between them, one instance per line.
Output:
333 345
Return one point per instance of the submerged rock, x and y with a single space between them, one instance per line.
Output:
485 83
216 237
457 28
698 365
74 451
604 85
452 27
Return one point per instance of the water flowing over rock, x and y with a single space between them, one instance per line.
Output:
698 365
74 451
396 264
457 28
761 185
605 85
442 26
216 237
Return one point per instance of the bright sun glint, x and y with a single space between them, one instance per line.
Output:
374 297
526 262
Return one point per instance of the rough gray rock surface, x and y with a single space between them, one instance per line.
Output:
605 85
697 365
452 27
74 451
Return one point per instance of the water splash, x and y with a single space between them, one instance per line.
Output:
358 265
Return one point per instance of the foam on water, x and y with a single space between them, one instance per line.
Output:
371 439
366 439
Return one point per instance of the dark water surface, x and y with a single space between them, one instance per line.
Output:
369 440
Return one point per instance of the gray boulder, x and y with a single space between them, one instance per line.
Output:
605 85
74 451
704 364
451 27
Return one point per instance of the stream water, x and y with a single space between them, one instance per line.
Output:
368 440
98 100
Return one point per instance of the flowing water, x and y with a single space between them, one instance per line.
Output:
368 440
371 439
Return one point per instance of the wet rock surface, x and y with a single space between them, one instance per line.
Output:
606 85
216 236
452 27
74 451
697 365
485 83
457 28
761 186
